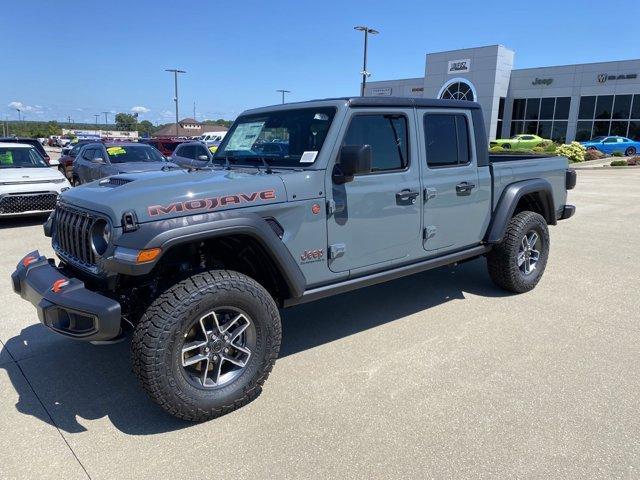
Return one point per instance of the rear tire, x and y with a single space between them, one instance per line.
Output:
629 152
507 146
518 262
183 356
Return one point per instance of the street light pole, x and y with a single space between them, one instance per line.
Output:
365 74
18 110
175 99
283 92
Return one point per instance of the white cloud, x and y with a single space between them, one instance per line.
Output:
167 113
24 108
140 109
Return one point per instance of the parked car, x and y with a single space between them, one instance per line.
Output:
211 137
191 154
98 160
66 160
271 148
27 185
518 142
34 143
372 189
165 146
612 144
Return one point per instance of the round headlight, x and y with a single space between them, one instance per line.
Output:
100 236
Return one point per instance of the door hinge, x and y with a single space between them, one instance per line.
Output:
429 193
429 232
337 250
333 207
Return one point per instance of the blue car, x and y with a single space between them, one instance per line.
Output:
608 145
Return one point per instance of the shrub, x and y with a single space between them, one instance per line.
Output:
551 148
496 149
593 155
538 149
545 143
633 161
619 163
617 154
574 152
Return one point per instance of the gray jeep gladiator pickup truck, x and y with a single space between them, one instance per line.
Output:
363 190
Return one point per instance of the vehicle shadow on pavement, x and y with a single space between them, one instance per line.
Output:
30 221
76 381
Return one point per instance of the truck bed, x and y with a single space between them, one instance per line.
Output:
507 169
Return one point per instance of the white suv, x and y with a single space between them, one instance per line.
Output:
28 185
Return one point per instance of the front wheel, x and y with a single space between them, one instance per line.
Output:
206 346
518 262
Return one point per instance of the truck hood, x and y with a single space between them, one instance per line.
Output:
134 167
29 174
161 195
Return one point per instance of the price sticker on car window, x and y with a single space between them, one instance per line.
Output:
6 158
309 156
114 151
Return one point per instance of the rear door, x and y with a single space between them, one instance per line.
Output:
456 199
376 217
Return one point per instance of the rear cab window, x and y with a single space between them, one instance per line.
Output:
447 140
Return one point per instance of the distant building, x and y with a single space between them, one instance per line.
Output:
563 103
188 127
105 134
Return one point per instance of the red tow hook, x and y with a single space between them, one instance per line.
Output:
59 284
26 261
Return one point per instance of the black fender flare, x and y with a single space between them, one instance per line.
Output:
509 199
175 231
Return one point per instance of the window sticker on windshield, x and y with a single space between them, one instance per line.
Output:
116 151
309 156
245 136
6 158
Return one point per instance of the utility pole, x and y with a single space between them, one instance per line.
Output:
365 74
18 110
96 115
194 110
175 72
283 92
106 122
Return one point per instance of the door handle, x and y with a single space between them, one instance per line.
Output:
407 196
464 188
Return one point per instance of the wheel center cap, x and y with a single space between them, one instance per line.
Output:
217 346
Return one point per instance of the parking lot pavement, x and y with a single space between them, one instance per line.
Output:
439 375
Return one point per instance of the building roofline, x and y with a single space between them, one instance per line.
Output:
470 48
577 64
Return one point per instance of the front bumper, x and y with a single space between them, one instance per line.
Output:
64 305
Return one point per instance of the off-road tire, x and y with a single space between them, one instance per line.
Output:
502 259
157 340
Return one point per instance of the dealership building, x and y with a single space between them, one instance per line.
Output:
564 103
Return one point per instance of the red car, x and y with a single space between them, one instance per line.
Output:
166 146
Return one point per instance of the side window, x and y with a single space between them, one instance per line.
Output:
100 153
87 153
200 150
447 140
387 135
609 140
187 151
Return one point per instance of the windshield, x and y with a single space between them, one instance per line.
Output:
16 157
285 138
134 153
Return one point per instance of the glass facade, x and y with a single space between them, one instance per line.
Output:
500 116
546 117
604 115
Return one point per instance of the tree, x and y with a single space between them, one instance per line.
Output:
145 128
126 121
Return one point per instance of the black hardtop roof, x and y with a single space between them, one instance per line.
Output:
363 102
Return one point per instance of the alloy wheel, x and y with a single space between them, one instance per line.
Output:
216 348
529 252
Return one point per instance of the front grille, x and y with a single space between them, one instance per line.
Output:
72 237
21 202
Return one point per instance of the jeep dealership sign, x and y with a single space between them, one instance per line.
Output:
459 66
380 92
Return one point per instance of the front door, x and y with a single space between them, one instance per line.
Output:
376 217
456 192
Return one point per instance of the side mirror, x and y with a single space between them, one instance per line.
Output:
354 160
98 160
204 158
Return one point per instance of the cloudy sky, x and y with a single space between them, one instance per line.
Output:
78 59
